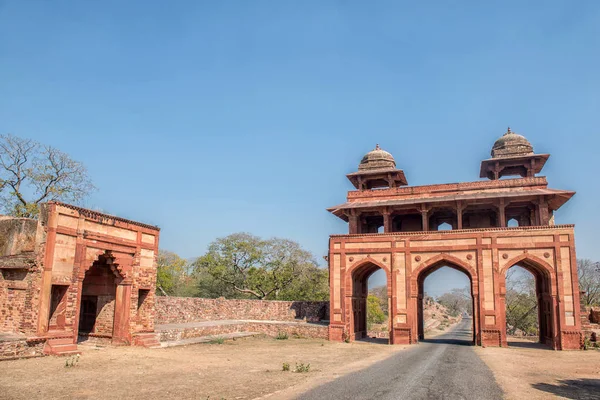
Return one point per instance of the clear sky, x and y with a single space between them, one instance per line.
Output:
208 118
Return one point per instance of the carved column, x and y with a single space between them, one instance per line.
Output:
544 214
501 214
460 207
425 218
353 222
387 221
121 331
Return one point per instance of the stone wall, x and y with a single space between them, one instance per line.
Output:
14 349
191 309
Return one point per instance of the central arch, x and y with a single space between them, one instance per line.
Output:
428 268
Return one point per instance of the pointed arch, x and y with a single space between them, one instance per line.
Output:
444 259
356 283
428 267
546 283
531 260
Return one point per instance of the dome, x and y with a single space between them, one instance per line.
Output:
511 145
377 159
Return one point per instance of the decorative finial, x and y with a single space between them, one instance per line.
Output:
508 131
377 147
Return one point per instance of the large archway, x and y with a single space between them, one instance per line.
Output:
428 269
544 300
359 326
98 298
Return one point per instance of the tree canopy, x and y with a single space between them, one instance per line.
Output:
32 173
589 281
249 266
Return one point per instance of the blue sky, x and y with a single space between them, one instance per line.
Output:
208 118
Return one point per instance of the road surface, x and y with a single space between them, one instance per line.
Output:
442 368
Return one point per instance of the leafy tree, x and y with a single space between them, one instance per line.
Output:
521 302
381 293
312 284
589 281
457 301
262 269
32 173
375 314
171 277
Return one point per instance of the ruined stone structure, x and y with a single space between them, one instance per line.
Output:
73 274
491 226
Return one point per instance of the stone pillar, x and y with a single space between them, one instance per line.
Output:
544 214
425 219
387 221
502 214
46 282
459 214
353 226
121 329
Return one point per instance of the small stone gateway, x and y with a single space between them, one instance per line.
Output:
490 226
72 275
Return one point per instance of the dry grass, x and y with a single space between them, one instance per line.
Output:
242 369
537 373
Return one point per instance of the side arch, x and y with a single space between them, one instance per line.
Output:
356 293
546 293
530 259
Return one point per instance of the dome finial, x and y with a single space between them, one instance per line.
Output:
377 147
508 131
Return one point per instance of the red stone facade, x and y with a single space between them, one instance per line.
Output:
77 273
493 226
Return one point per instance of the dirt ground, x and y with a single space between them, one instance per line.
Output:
529 371
242 369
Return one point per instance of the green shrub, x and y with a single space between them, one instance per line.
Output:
300 368
286 366
281 336
217 340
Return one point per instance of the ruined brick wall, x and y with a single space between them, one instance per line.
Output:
192 309
13 349
21 266
105 317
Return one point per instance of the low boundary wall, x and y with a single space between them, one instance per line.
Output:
180 310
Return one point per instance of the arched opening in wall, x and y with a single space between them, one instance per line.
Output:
370 304
98 295
512 223
446 305
528 305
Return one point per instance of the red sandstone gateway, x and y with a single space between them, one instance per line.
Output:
75 273
394 227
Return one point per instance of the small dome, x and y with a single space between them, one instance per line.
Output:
377 159
511 145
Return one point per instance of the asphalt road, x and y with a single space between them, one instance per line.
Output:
442 368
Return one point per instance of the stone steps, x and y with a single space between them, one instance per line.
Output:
208 339
61 347
149 340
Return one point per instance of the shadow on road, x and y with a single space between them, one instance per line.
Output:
528 345
374 340
572 388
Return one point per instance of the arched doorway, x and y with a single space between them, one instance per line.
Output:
98 298
427 271
536 296
364 302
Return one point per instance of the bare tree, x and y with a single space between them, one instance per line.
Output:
589 281
32 173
